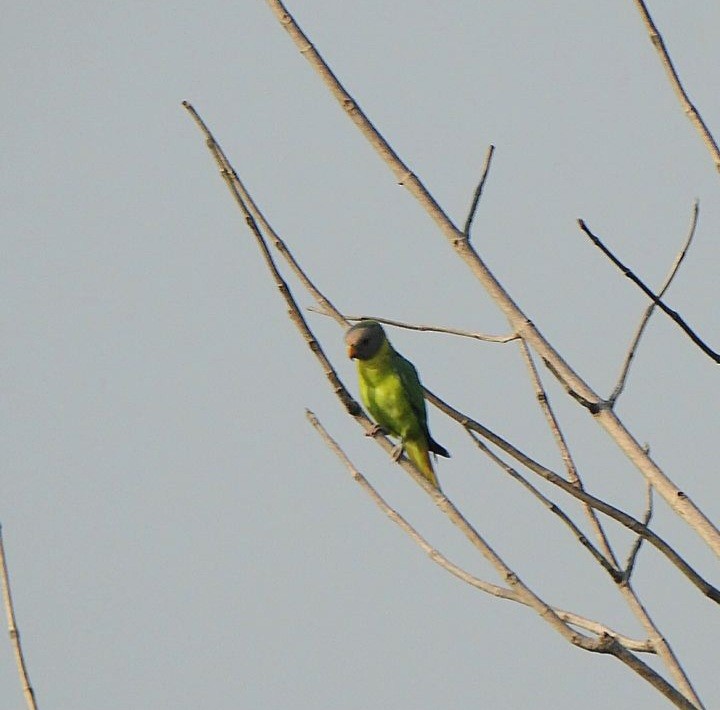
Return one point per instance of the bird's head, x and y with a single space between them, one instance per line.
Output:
364 340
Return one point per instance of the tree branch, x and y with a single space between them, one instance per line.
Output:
13 630
605 643
674 315
621 579
688 107
429 328
478 191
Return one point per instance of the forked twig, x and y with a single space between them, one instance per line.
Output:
674 315
13 630
648 311
237 189
647 517
254 216
688 107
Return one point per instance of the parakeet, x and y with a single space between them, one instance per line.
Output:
390 389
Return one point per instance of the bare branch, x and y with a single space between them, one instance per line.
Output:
436 556
605 643
649 310
519 322
478 191
440 559
674 315
524 593
355 410
13 630
429 328
688 107
620 578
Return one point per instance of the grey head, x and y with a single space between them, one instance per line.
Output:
364 339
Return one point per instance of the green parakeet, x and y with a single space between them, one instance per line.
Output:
390 389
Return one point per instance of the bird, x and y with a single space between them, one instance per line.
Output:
391 391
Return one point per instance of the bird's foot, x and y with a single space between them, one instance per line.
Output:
397 452
377 429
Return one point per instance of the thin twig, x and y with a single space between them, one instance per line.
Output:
649 310
674 315
573 475
688 107
646 672
14 632
678 501
647 517
427 328
478 191
605 643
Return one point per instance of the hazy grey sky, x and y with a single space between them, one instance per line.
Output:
177 534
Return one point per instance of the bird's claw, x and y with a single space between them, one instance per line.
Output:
377 429
397 452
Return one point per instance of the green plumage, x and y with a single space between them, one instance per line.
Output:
390 389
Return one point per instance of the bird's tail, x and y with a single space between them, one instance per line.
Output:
438 449
417 452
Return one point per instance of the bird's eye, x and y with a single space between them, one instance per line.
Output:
363 341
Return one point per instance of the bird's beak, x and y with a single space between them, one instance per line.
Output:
351 352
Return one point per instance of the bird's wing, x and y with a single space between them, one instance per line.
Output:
413 388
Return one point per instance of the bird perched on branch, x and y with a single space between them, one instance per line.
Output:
390 389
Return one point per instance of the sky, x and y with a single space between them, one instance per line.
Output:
176 532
